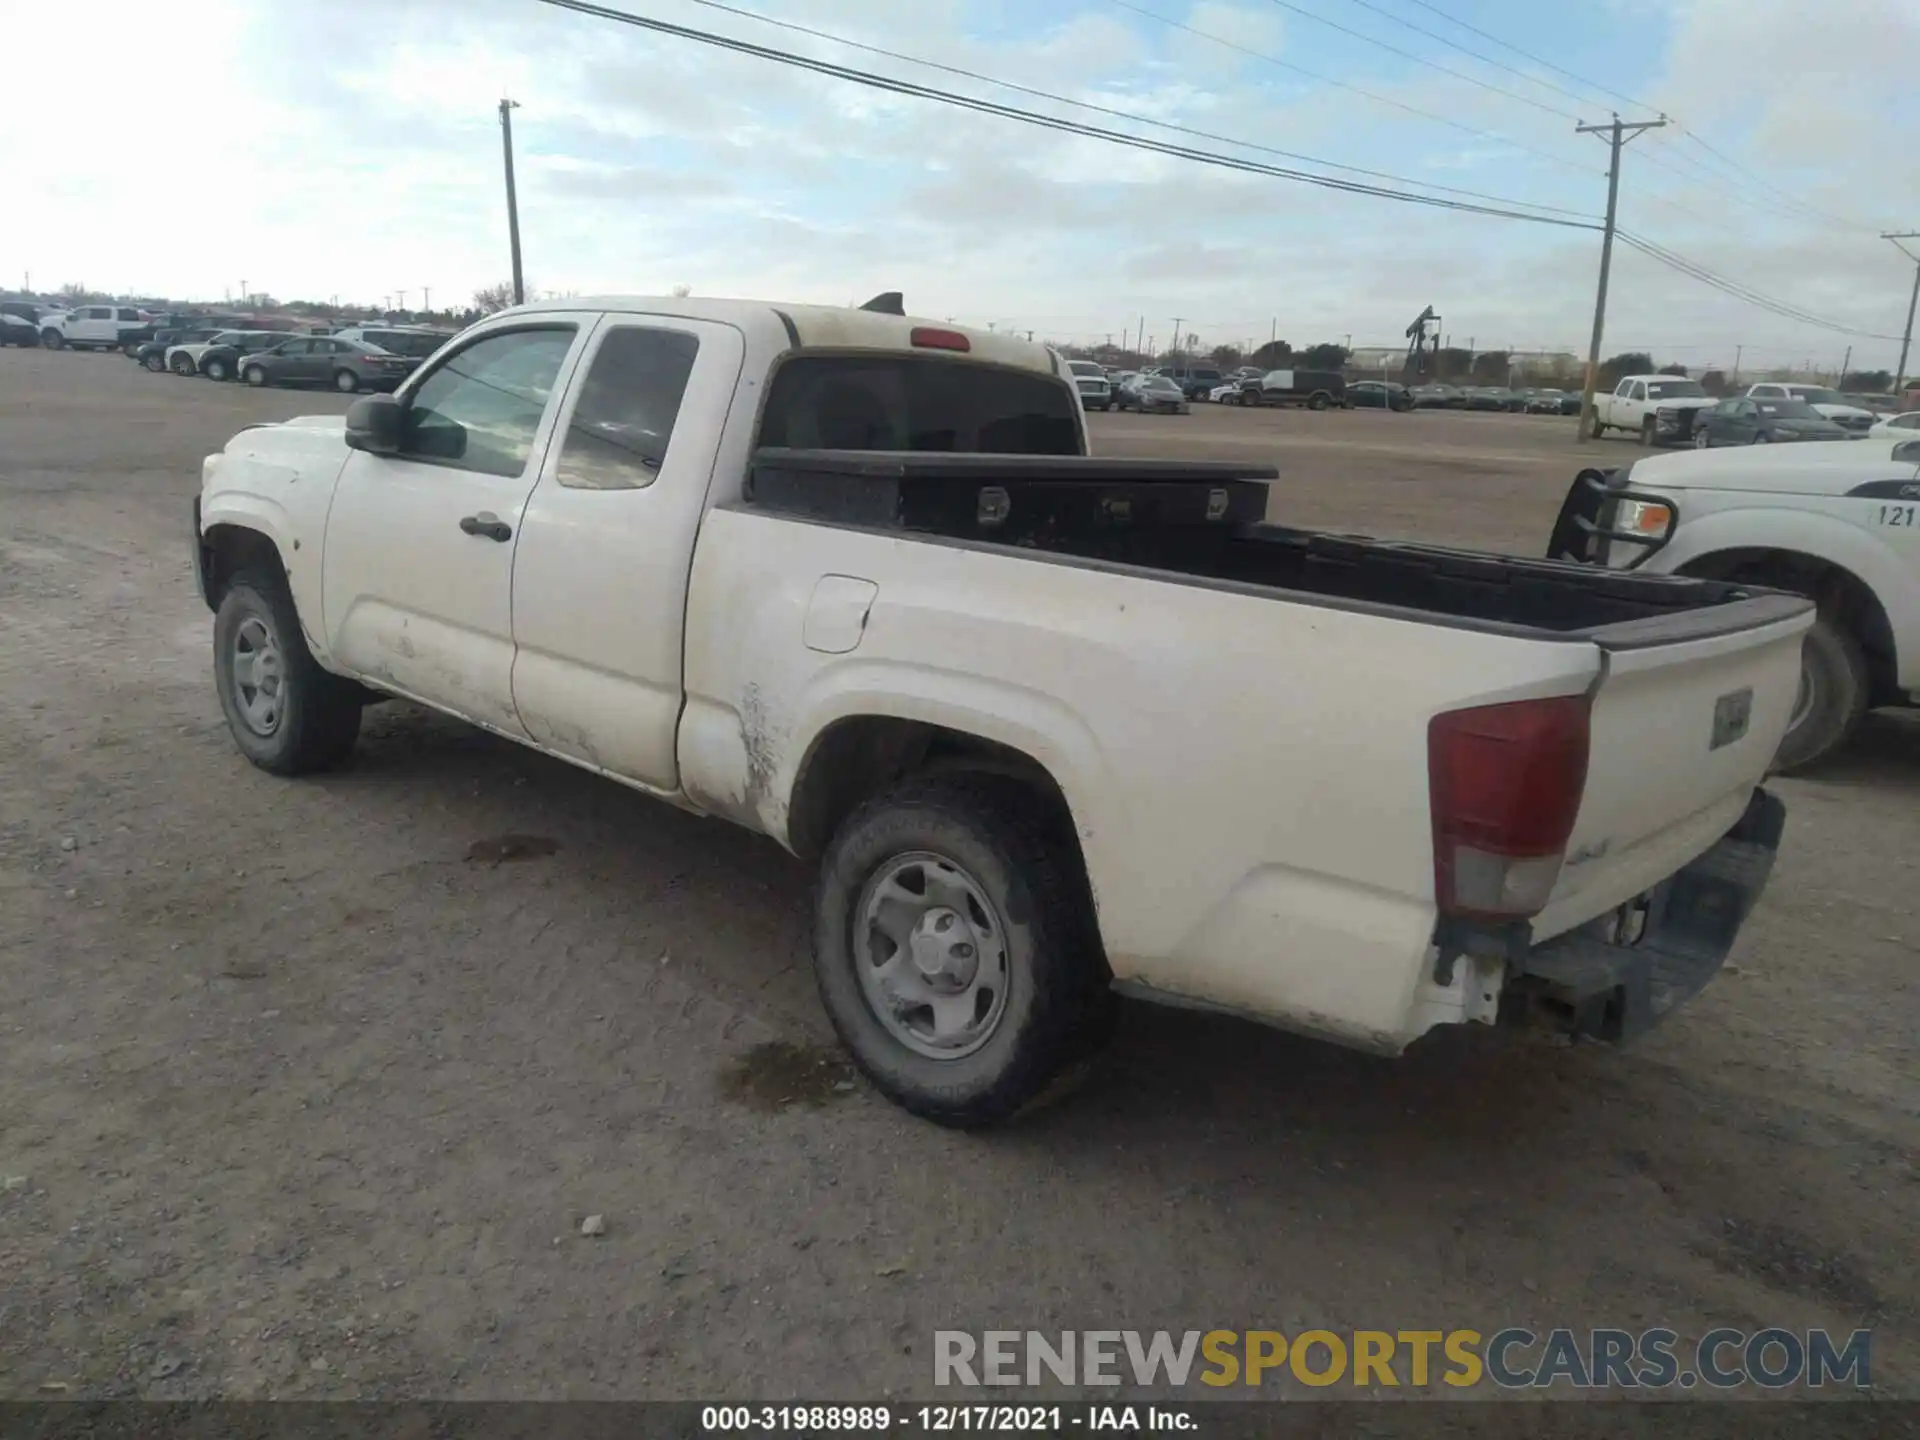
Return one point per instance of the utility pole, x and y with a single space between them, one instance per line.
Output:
426 298
507 107
1618 133
1175 347
243 292
401 296
1738 351
1906 336
1845 365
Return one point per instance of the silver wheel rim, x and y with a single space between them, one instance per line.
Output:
345 382
259 676
256 376
931 955
216 371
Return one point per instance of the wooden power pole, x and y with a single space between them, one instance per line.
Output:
1618 133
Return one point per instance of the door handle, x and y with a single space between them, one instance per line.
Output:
487 525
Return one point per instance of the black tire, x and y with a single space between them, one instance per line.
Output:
214 369
1833 670
1319 401
1646 432
1702 439
256 377
1597 431
156 363
346 382
183 366
52 340
319 713
1058 1007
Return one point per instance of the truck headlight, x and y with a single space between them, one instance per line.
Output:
1647 519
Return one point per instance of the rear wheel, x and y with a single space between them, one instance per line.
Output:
156 363
182 365
216 369
286 714
1318 401
1597 429
1834 688
955 948
345 381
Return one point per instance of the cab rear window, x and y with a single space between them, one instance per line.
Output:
917 402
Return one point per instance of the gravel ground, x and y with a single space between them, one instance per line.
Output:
306 1089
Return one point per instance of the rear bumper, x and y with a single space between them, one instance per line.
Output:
1617 976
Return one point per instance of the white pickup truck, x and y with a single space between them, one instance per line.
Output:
1836 520
1660 409
91 327
1051 726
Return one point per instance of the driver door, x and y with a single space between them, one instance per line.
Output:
418 569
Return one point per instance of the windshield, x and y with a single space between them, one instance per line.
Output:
917 402
1673 389
1815 395
1160 382
1086 367
1788 410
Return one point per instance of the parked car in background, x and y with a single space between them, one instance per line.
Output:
19 323
1882 405
1196 382
1487 397
1379 395
1743 421
1852 419
1228 392
152 354
1435 396
419 341
1152 394
1661 409
1838 523
1096 393
218 356
348 366
1551 402
1897 427
91 327
1315 389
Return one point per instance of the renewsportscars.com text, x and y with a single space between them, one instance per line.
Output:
1511 1358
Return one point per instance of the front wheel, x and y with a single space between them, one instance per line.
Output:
955 948
216 370
1597 430
287 715
1834 689
256 376
182 365
1318 402
53 340
1646 432
156 363
1700 440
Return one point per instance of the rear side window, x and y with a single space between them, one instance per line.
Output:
624 417
916 402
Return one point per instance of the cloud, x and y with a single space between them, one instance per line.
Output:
353 148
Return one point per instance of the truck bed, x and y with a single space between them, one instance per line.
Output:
1201 522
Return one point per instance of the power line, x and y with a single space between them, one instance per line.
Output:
1472 54
1051 122
1306 14
1738 291
1527 55
1749 177
1168 125
1274 60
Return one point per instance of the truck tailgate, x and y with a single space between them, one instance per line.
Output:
1686 718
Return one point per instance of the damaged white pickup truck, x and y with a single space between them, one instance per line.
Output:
1052 726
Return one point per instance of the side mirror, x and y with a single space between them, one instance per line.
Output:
374 424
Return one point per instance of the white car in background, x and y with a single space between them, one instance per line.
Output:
1897 427
1837 521
1096 391
1830 403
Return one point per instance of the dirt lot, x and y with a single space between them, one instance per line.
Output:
297 1099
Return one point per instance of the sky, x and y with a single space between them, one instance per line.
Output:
351 148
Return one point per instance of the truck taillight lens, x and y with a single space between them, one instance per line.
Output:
1506 783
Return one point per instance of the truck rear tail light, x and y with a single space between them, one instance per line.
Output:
1506 783
927 337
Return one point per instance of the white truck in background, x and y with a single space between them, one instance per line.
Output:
1660 409
1051 726
1836 520
91 327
